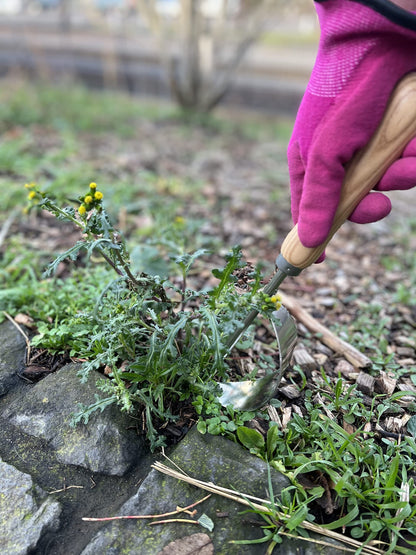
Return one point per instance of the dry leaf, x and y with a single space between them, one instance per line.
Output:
196 544
24 320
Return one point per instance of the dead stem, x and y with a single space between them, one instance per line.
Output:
139 517
16 325
169 520
65 488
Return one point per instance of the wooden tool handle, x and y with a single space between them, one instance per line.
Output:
365 170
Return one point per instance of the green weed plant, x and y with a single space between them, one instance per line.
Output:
363 483
161 344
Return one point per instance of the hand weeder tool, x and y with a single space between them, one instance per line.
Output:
365 170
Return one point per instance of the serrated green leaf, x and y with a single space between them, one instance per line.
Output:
147 259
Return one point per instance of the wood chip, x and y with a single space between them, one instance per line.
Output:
393 424
405 351
318 399
406 400
365 383
287 414
406 361
385 384
273 415
344 368
297 410
320 358
367 429
290 391
405 341
406 385
302 358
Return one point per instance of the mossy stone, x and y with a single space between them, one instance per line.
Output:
107 444
207 458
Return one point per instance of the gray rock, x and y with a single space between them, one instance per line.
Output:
12 353
207 458
25 512
105 444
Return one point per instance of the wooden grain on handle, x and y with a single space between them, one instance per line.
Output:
365 170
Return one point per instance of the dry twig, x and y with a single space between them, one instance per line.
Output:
142 517
355 357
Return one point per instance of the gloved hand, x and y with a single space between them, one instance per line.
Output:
361 57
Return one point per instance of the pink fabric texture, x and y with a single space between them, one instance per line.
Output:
361 57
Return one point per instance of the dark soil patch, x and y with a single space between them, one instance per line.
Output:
41 363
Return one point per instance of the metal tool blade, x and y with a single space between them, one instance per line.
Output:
253 394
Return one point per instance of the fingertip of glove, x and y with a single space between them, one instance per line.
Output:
372 208
311 237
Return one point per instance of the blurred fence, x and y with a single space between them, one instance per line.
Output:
105 43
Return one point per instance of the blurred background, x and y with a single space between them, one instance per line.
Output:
256 54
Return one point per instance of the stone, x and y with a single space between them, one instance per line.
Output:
105 444
207 458
12 355
26 513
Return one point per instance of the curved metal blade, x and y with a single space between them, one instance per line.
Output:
253 394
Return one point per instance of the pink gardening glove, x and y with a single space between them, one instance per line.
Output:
361 57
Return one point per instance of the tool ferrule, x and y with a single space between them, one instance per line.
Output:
287 268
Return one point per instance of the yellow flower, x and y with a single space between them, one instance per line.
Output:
179 220
29 185
88 199
82 209
98 195
276 300
31 195
93 185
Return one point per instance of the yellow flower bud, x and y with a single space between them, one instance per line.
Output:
93 185
276 300
82 209
88 199
98 195
31 195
